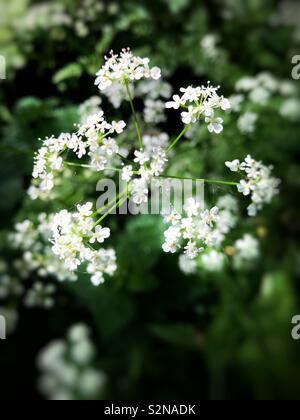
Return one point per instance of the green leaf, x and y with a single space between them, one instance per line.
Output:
71 71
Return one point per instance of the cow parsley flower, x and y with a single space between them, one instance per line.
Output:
67 367
150 168
187 266
151 141
40 295
247 122
246 251
201 103
92 137
213 261
191 231
127 173
259 182
71 233
124 68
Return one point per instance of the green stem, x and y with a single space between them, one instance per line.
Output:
210 181
136 122
117 205
91 167
128 161
177 139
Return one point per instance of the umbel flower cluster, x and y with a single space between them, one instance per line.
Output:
123 68
195 228
259 182
201 102
149 168
72 235
67 367
92 138
76 236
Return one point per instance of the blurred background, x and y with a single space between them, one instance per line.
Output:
159 329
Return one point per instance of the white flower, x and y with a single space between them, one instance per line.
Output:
71 233
154 111
139 191
118 127
173 218
100 235
244 187
247 122
201 102
191 250
215 125
155 73
225 104
290 109
259 183
125 67
195 231
192 207
140 157
260 95
151 142
66 366
236 101
187 265
213 261
85 210
189 116
234 165
40 295
127 173
109 147
247 248
176 103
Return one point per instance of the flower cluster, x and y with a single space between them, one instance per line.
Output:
152 141
93 135
149 168
195 229
246 250
212 259
66 366
40 295
72 234
263 86
259 182
123 68
201 102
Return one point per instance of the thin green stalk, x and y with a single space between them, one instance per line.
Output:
90 166
177 139
117 205
136 122
128 161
